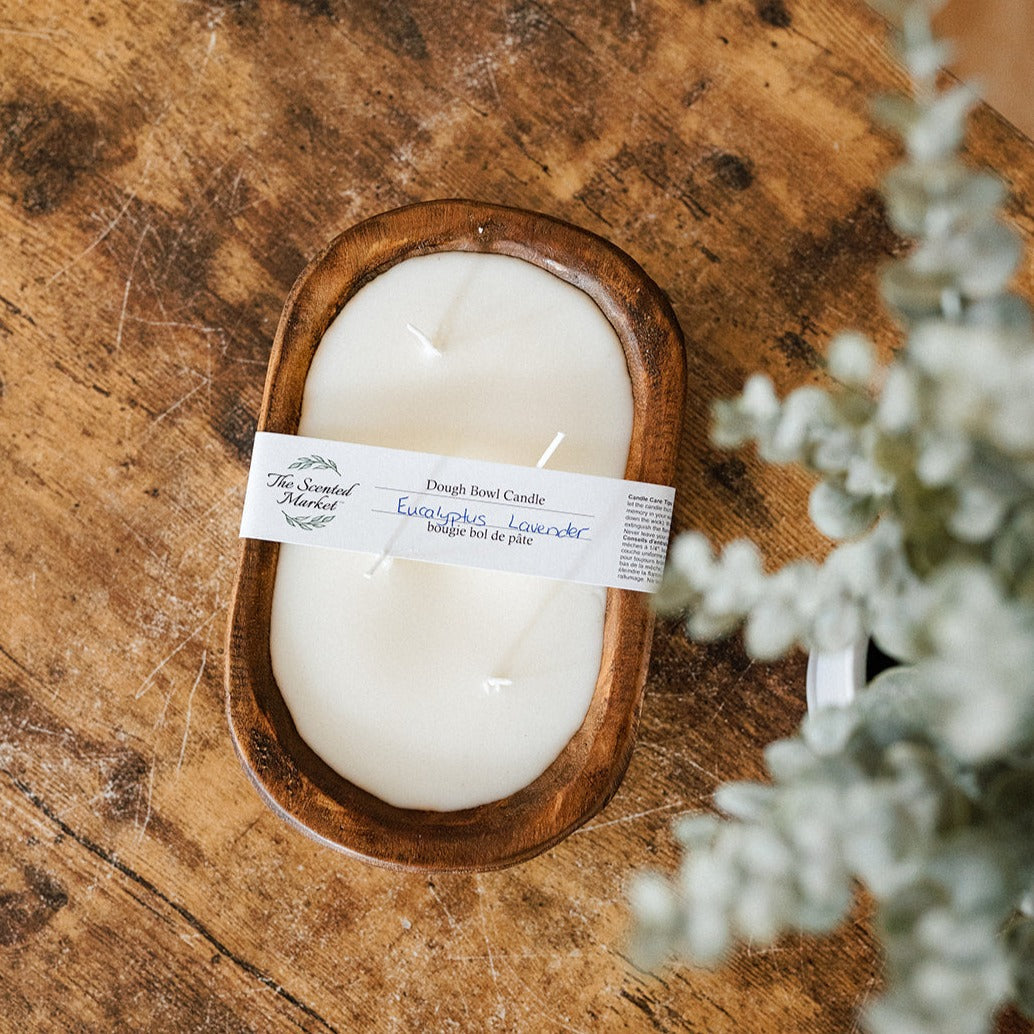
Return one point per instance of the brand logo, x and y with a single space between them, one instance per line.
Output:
312 499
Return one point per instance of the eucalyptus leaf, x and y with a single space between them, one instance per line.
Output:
933 198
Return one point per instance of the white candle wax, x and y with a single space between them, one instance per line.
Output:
443 687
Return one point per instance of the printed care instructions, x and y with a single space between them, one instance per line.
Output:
448 510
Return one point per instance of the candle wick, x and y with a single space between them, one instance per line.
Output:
423 339
493 684
385 553
551 448
377 563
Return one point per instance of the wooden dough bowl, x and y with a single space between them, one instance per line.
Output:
291 778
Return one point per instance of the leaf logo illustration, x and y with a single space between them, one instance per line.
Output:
314 462
308 523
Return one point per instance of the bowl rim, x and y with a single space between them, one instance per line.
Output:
290 777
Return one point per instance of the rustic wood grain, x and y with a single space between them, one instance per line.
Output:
166 170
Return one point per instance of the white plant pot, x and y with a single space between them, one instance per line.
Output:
835 678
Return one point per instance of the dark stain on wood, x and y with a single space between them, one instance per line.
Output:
46 147
559 64
732 171
235 424
652 159
14 708
848 249
125 787
687 191
314 8
400 28
26 725
679 666
731 473
774 13
283 260
634 27
24 913
302 115
163 253
48 890
390 22
527 19
798 350
168 248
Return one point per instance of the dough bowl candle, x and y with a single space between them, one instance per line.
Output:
437 715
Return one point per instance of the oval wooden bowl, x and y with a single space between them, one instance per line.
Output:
296 783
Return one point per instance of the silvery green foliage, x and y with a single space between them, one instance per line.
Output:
923 788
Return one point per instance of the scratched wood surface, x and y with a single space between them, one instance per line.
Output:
165 171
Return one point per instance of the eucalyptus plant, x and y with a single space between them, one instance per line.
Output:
922 789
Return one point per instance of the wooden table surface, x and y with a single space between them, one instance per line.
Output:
166 170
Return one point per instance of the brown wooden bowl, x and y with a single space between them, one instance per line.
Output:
297 784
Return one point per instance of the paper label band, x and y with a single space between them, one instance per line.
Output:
448 510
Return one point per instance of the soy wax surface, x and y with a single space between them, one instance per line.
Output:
440 687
